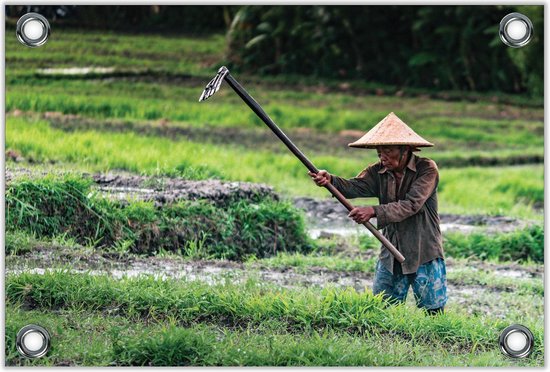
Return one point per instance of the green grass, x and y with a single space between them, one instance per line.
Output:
445 124
251 304
179 55
486 132
56 205
113 340
20 242
97 320
460 271
314 143
100 151
476 190
526 244
303 262
183 55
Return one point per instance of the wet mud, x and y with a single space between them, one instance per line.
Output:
163 190
330 217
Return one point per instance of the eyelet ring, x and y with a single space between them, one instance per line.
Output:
33 341
516 341
516 30
33 30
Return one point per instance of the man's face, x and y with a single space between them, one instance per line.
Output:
389 156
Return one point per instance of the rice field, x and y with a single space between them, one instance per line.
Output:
135 283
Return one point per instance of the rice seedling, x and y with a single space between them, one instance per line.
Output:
67 205
253 303
93 150
520 245
330 262
117 341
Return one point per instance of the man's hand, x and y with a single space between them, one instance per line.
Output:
362 214
322 178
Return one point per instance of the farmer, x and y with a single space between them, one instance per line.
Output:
406 187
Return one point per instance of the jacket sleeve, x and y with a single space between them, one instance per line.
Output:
421 189
365 185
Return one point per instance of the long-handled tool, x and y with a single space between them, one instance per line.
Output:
214 85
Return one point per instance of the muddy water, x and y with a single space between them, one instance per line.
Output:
316 232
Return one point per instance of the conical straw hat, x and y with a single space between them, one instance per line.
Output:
390 131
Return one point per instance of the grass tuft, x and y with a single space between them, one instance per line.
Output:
521 245
67 205
146 298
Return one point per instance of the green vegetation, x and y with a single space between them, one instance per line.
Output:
464 276
116 340
461 271
464 132
521 245
20 242
99 151
305 309
154 100
53 206
475 190
112 49
428 47
482 125
302 261
143 117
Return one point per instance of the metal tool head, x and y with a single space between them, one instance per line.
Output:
214 85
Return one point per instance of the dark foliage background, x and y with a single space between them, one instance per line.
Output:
443 47
440 47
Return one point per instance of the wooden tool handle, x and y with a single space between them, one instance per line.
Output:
255 106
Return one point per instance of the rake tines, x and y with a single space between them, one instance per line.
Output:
214 85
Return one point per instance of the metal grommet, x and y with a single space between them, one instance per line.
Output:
33 341
33 30
516 341
515 30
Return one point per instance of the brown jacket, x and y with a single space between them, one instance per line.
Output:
408 215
